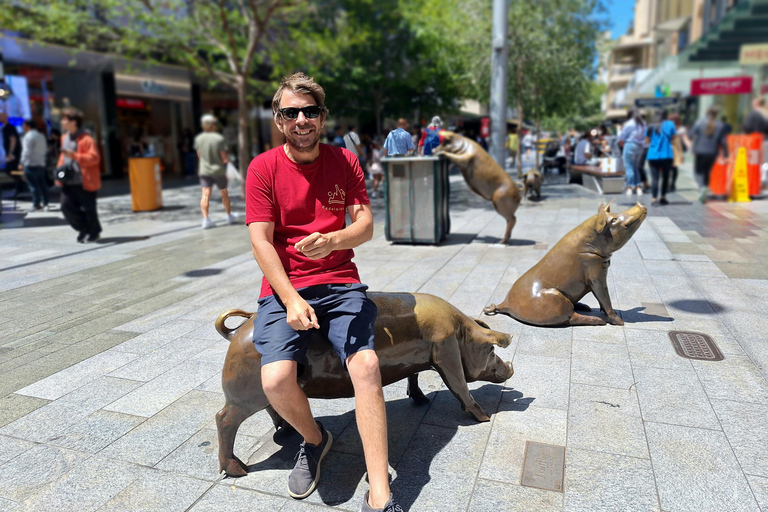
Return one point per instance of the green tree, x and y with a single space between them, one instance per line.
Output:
371 59
223 40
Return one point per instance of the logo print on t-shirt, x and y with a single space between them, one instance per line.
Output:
338 197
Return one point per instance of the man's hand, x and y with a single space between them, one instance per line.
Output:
300 315
315 246
68 153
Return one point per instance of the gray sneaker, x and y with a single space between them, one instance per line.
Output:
306 473
391 506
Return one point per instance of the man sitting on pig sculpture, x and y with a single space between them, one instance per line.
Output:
297 196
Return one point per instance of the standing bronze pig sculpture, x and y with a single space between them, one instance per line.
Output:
484 176
532 184
549 293
414 332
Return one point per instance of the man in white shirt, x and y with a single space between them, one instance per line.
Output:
34 147
352 141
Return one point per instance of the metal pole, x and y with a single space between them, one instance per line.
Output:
499 81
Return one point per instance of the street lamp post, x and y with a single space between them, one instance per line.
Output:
499 81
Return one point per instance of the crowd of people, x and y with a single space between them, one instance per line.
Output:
661 140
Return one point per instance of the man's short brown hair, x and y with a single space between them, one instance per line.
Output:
73 115
301 84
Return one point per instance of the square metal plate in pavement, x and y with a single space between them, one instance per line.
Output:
544 466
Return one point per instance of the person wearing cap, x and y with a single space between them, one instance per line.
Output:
213 168
430 136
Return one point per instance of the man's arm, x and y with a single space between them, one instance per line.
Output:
320 245
26 149
299 315
14 139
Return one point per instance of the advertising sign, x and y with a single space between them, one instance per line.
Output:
485 127
728 85
753 54
655 102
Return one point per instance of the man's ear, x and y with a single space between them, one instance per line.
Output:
602 218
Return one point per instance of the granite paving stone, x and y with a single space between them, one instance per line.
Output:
50 463
96 431
154 439
674 396
601 364
52 420
734 378
158 491
13 407
198 456
606 420
11 448
544 380
150 398
489 495
696 470
597 482
227 498
76 376
511 429
86 487
746 428
760 488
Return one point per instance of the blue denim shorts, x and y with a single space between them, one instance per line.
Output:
345 313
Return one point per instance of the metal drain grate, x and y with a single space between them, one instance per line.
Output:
695 345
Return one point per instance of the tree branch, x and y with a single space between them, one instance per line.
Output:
233 45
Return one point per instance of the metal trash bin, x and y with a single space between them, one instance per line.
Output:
146 184
416 194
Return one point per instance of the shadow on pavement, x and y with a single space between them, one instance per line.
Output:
122 239
698 306
203 272
634 316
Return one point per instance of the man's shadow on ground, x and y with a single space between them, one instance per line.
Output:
417 434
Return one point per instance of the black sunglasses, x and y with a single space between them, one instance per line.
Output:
310 112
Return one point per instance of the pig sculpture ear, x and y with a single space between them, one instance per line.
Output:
602 218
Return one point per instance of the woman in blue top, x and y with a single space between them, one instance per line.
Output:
632 136
660 154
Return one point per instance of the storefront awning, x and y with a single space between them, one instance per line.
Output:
674 25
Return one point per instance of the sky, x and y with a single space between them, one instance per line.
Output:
620 13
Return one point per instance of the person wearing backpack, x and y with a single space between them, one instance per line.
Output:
660 155
78 192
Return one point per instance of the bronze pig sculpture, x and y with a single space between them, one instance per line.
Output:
532 184
484 176
549 293
414 332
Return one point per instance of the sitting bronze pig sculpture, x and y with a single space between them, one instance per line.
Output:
532 184
549 293
484 176
414 332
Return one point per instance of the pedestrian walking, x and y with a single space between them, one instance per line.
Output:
79 155
757 118
708 139
632 136
680 145
352 143
297 198
34 149
660 138
399 141
12 148
212 169
374 166
512 142
430 136
527 144
338 138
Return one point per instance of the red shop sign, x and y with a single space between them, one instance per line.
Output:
728 85
130 103
485 127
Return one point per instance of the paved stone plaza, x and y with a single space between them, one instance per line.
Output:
111 366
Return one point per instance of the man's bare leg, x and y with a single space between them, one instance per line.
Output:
225 200
205 201
288 399
371 417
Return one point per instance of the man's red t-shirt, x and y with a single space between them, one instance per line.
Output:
301 200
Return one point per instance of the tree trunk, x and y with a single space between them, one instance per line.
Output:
243 156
